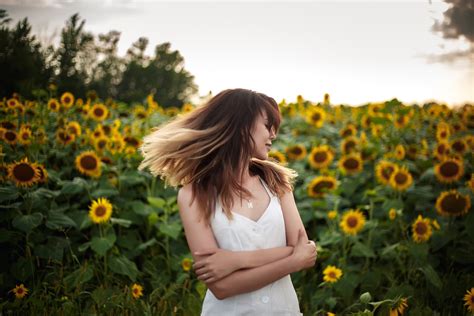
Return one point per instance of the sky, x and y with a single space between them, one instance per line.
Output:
357 51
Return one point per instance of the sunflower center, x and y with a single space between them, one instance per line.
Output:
458 146
351 164
332 275
88 163
449 169
321 185
98 112
10 135
296 151
24 172
100 211
19 291
421 229
352 221
453 203
401 178
320 156
67 100
347 132
316 117
25 135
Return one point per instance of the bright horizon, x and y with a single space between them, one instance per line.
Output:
356 51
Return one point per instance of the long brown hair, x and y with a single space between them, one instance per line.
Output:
209 146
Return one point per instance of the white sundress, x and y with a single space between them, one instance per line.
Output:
244 234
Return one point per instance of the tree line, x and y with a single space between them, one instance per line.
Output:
89 65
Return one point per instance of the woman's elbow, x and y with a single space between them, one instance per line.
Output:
219 290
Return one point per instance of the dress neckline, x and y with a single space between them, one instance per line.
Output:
270 195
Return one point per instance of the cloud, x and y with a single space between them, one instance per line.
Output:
458 20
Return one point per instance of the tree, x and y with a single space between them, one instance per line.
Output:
21 59
164 75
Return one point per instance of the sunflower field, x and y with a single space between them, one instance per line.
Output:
384 189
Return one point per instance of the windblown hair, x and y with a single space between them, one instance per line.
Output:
209 146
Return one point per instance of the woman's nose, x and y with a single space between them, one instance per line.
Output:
272 133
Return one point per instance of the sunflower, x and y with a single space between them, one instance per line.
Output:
186 263
278 156
321 157
12 103
98 112
392 214
54 105
63 137
453 203
137 290
41 137
140 112
441 150
296 152
349 144
116 144
23 173
442 134
67 99
24 135
401 121
10 137
470 182
315 116
43 174
412 151
100 143
459 146
132 141
20 291
468 118
88 163
74 127
327 98
332 214
366 121
469 299
332 274
376 130
187 107
8 125
469 139
401 179
352 222
400 152
320 185
171 111
398 308
449 170
351 164
100 211
375 108
421 229
349 130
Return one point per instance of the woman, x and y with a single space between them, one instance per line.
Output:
238 211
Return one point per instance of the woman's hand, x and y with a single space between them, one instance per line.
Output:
218 264
304 253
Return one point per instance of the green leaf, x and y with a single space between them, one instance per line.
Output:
23 269
45 193
140 208
147 244
122 265
131 179
172 229
156 202
8 193
73 187
389 251
79 277
81 218
58 220
121 222
104 193
361 250
432 276
101 244
26 223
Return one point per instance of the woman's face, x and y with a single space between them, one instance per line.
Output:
262 134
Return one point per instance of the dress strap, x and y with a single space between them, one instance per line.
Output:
266 188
